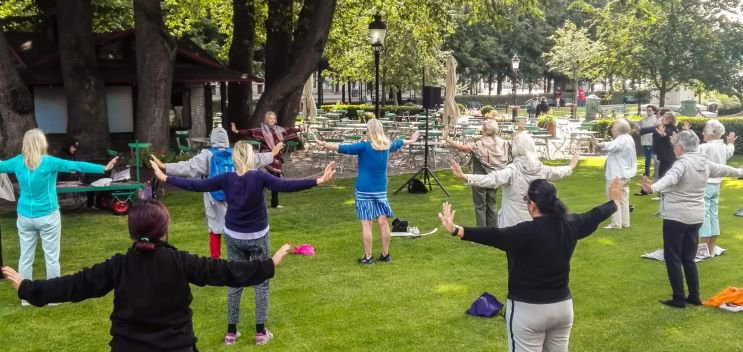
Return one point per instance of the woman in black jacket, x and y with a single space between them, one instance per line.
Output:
150 283
539 306
662 146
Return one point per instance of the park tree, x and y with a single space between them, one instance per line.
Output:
16 103
87 119
155 57
573 53
293 52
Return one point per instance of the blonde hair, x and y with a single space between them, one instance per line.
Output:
34 146
242 155
375 132
623 126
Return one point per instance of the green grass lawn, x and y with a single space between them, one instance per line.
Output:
415 303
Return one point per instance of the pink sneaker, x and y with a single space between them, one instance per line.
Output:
262 338
230 338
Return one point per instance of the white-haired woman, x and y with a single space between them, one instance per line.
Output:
718 152
246 224
38 208
371 184
489 153
621 163
682 210
515 178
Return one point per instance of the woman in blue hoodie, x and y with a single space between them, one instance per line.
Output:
38 208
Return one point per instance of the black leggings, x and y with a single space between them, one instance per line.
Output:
663 167
680 242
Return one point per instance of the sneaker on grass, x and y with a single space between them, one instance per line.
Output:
231 337
262 338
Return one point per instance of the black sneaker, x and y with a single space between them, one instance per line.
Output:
694 301
385 258
366 261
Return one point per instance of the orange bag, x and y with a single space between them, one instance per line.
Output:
729 295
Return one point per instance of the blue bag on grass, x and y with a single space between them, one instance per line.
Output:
485 306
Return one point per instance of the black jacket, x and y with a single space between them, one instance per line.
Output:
539 252
662 146
152 296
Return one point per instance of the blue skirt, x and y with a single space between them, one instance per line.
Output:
371 205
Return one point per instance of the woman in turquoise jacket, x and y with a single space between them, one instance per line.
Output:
38 208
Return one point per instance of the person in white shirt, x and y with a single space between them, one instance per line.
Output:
718 152
646 140
621 162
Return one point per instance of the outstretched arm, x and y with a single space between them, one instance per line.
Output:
246 132
454 144
413 138
233 273
205 185
329 146
283 185
492 180
95 281
195 167
502 238
719 170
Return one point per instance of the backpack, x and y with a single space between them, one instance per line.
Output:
220 163
417 186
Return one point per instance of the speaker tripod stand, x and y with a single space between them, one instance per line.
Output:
425 173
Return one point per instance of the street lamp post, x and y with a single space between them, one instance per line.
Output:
377 31
515 67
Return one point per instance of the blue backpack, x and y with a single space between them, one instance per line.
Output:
220 163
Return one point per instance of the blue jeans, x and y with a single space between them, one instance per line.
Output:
49 229
648 151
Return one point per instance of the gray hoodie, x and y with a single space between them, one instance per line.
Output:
682 188
515 179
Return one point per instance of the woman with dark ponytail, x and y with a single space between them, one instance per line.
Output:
539 312
150 283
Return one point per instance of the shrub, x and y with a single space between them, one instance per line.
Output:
461 108
486 109
396 109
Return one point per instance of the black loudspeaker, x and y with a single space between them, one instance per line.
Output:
431 97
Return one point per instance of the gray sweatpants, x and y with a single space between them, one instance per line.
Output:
539 327
246 250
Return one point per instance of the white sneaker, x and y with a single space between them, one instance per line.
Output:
655 198
25 303
279 206
611 227
53 304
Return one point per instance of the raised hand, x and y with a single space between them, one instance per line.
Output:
414 137
447 217
158 172
233 127
687 126
327 174
731 137
575 160
280 254
456 169
615 190
277 148
14 277
645 185
111 164
661 130
157 161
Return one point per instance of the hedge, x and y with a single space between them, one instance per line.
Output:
732 124
396 109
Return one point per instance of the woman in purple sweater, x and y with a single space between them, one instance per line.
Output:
246 224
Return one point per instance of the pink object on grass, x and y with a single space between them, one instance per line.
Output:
305 249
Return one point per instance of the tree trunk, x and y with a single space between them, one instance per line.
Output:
399 95
662 90
16 103
241 60
309 42
499 85
87 118
155 57
343 93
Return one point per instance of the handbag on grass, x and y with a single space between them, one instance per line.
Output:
485 306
